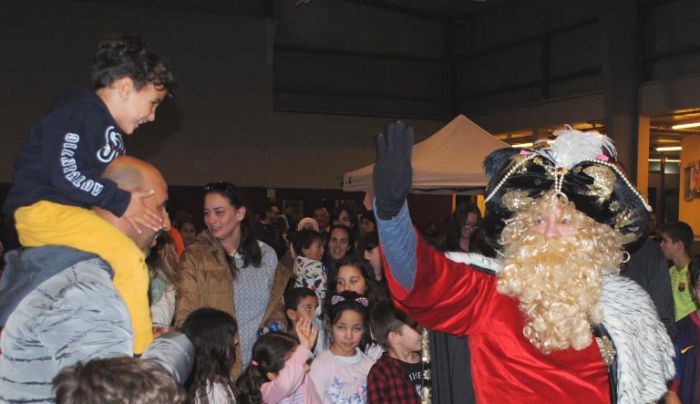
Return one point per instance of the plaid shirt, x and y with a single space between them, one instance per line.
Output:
388 382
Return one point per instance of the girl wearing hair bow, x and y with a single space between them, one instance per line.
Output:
340 372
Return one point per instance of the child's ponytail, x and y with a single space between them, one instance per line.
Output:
269 354
248 384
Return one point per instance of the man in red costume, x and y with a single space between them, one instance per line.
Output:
551 321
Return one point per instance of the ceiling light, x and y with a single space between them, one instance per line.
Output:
523 145
686 125
669 148
672 161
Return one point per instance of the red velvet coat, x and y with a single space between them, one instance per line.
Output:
506 368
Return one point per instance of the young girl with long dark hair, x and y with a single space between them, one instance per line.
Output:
340 373
278 371
214 336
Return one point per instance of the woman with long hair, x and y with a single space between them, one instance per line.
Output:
464 232
227 268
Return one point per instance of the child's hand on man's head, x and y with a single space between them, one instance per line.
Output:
306 333
140 216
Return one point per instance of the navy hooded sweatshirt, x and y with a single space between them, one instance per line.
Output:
66 154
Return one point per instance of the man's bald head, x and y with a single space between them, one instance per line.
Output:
144 181
132 174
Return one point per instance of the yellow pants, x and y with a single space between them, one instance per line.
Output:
48 223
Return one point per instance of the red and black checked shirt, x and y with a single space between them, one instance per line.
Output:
388 382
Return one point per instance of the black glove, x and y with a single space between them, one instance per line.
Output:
393 171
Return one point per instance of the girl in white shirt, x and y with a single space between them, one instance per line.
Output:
340 373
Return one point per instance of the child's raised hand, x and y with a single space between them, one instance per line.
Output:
141 216
306 332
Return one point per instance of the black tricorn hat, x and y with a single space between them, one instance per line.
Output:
575 165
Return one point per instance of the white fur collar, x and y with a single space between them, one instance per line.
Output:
644 349
477 260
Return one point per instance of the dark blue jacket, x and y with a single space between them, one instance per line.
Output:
686 358
66 154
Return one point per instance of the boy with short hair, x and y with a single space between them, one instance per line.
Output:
676 242
396 377
302 303
58 174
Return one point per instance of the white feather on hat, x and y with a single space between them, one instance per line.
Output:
573 146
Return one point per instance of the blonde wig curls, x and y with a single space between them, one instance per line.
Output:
558 280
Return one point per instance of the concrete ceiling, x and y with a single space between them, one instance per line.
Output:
450 9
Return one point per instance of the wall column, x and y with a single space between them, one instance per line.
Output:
618 21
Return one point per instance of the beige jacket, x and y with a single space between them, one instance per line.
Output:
206 281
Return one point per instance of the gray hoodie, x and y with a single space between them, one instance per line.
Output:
64 316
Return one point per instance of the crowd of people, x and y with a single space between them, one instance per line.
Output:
556 294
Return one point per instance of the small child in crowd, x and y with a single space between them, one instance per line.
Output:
58 174
340 373
397 377
308 269
302 303
214 334
278 371
354 274
117 380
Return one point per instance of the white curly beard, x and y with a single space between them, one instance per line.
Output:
558 281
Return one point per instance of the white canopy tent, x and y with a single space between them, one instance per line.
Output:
450 159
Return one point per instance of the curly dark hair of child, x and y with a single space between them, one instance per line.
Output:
269 354
127 56
213 334
117 380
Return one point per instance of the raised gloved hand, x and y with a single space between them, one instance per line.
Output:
393 171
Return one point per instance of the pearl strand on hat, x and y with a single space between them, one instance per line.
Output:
559 179
508 174
559 173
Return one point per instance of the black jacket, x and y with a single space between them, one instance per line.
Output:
66 154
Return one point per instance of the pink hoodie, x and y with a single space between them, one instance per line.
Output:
292 384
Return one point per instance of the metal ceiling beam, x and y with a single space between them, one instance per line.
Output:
396 9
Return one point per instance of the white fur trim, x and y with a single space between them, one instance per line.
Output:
644 349
476 260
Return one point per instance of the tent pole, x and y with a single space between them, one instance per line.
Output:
480 204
